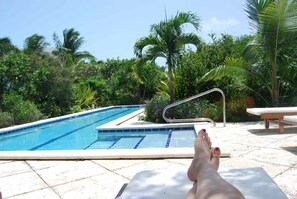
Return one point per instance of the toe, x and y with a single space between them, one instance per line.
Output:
202 134
215 157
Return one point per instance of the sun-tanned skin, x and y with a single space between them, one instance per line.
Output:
208 184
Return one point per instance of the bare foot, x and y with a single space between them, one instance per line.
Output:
203 149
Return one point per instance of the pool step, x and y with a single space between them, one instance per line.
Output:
100 145
154 141
127 143
183 138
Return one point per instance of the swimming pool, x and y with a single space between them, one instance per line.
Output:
95 130
74 132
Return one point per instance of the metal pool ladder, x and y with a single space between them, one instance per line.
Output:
196 119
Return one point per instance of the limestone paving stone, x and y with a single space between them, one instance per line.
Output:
185 162
293 137
237 150
5 161
235 163
15 167
228 137
40 194
105 186
20 183
119 164
158 165
255 141
288 182
70 171
44 164
289 141
273 156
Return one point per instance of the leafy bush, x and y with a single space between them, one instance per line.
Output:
154 108
6 119
22 111
85 98
188 110
235 109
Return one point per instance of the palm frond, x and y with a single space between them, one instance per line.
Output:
224 71
6 46
253 8
79 56
72 39
144 42
278 28
35 43
251 50
189 38
182 18
137 70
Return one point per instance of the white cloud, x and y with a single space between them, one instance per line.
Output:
215 24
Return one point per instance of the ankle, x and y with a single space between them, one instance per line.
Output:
202 165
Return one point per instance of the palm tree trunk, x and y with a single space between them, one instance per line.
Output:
274 89
171 87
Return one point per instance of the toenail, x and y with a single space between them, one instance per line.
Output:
217 149
203 130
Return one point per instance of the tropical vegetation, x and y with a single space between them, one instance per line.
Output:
256 70
167 40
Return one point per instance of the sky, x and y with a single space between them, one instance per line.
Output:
111 27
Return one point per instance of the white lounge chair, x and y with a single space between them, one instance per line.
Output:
273 114
254 183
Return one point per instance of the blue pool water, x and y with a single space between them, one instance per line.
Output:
80 133
146 138
75 133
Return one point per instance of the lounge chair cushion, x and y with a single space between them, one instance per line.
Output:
292 119
259 111
254 183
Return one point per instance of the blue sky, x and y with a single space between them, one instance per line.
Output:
111 27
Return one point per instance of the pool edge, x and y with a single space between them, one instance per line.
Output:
102 154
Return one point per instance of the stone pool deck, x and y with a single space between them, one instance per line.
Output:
249 143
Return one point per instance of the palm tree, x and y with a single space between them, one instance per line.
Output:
68 49
6 46
167 40
35 44
272 49
275 23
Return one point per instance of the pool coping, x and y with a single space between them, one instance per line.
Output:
99 154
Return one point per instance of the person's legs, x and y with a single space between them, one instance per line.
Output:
214 159
210 185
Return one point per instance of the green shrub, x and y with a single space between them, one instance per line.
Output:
188 110
22 111
154 108
6 119
235 109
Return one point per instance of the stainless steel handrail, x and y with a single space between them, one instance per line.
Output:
196 119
